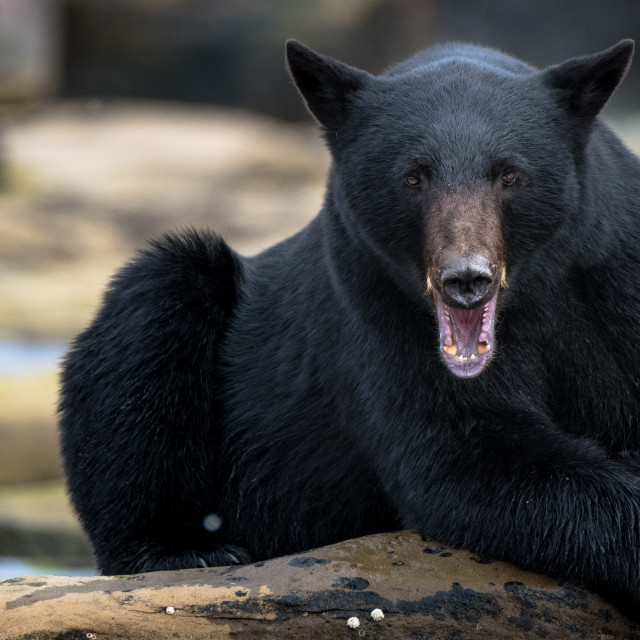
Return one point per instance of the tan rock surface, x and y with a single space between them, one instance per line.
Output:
425 590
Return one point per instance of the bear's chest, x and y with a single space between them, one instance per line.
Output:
574 362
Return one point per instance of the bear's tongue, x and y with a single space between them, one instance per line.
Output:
466 336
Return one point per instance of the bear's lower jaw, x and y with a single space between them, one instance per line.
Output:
466 336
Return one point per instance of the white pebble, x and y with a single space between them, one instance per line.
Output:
377 614
170 610
354 623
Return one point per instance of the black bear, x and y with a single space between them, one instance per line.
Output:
446 347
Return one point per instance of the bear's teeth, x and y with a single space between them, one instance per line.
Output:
452 350
483 347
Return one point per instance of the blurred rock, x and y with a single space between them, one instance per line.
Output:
36 521
145 168
29 451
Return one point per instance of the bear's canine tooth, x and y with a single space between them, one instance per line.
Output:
452 349
483 347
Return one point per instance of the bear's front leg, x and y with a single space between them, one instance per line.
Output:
530 494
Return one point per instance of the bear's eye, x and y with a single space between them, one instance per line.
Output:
509 177
413 180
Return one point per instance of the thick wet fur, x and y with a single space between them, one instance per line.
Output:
448 346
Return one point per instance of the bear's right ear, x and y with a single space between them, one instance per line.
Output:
584 84
327 85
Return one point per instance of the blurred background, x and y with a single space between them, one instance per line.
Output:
122 119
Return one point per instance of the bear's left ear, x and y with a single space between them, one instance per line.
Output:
585 84
327 85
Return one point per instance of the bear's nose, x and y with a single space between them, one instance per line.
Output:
466 280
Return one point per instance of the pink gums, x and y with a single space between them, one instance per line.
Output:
466 336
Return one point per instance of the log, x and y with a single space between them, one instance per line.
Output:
423 589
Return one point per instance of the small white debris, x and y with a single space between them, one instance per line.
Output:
354 623
170 610
377 614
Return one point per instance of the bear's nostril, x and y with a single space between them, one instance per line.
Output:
480 281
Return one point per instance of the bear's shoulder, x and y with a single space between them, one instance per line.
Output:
172 299
185 273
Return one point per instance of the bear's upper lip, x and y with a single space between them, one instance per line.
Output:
466 336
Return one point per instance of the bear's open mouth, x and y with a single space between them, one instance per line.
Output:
466 336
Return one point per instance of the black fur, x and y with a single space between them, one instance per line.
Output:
301 396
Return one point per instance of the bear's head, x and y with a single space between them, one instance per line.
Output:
457 166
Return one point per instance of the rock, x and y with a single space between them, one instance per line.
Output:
29 451
443 593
